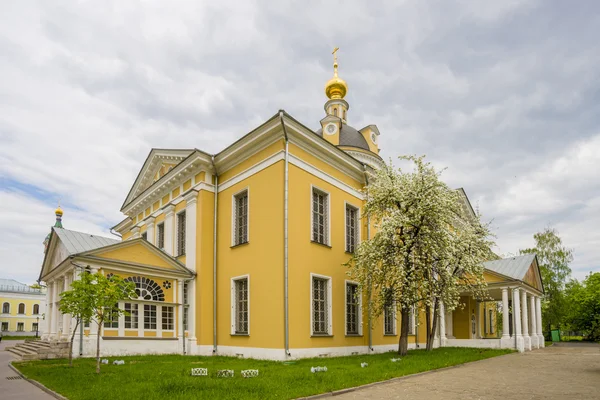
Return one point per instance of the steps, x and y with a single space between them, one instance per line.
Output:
40 350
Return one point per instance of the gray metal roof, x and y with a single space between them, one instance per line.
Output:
513 267
78 242
350 137
10 285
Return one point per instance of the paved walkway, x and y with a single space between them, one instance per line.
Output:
16 389
563 371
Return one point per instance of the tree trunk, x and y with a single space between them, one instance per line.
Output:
98 348
434 324
403 343
71 344
428 326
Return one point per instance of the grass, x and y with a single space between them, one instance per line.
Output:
160 377
18 337
566 338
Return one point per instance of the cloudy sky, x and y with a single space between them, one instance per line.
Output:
505 94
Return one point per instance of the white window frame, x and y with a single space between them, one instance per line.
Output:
233 216
158 317
173 319
359 311
358 225
314 188
158 235
137 315
234 304
329 303
176 223
394 309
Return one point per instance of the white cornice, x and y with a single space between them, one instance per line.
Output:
372 161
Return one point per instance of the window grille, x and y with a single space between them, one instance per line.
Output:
131 316
147 289
34 327
21 308
320 306
319 211
241 306
145 235
241 218
181 233
160 236
352 309
185 319
36 308
20 326
6 308
149 316
351 228
167 318
112 318
389 320
185 305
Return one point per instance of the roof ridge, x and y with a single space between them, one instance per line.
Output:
86 233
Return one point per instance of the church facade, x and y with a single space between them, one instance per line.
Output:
241 252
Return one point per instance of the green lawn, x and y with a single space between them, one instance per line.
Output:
18 337
168 377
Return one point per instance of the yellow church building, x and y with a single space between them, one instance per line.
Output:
240 253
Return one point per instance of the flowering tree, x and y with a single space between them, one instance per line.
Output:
423 251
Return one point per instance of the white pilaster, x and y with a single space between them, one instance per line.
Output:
538 314
533 334
505 314
48 316
94 324
169 228
517 320
66 322
442 313
449 325
525 325
54 330
159 321
135 232
191 200
150 235
180 312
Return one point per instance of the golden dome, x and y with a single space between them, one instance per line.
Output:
58 211
336 87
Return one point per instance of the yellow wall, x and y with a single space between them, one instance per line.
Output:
251 161
137 253
13 317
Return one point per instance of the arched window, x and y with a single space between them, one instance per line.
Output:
147 289
21 308
36 309
6 308
335 112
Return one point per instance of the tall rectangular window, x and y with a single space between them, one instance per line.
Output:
352 309
149 316
4 326
34 327
167 318
491 313
241 306
320 209
160 236
320 306
181 233
389 319
131 316
145 235
241 218
351 228
111 320
185 305
20 326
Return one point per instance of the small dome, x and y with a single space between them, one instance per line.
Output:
350 137
58 212
336 88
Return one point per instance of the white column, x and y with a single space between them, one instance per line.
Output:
159 321
150 235
48 313
538 314
169 228
66 322
517 320
191 200
505 315
525 325
449 325
442 313
55 313
180 312
94 324
533 335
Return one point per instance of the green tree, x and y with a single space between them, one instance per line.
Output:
583 305
554 259
418 255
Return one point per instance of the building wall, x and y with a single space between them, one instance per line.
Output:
13 318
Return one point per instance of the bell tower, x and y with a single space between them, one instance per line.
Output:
336 108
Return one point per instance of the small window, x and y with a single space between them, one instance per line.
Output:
352 309
389 319
167 318
20 326
351 228
240 228
320 222
160 236
21 308
335 112
6 308
181 233
34 327
240 317
5 327
344 114
149 316
145 235
320 303
131 316
36 309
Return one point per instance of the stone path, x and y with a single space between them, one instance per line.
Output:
18 389
562 371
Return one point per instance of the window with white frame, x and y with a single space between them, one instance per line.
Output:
167 318
20 326
240 307
411 321
149 316
181 233
160 236
36 309
21 308
240 218
389 319
34 327
352 309
321 313
131 316
351 228
112 319
6 308
4 326
185 305
320 217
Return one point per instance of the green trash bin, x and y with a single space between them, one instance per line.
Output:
555 335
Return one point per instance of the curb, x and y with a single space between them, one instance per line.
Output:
400 378
36 383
